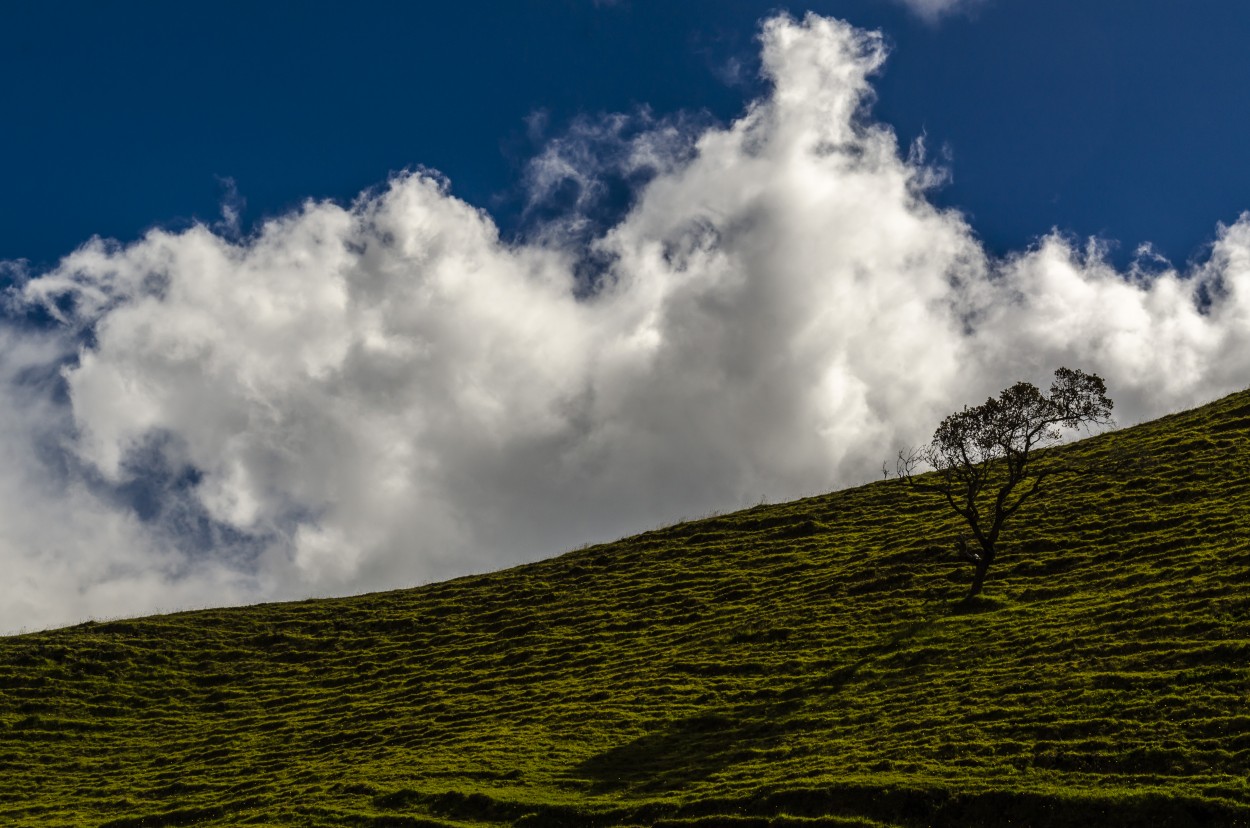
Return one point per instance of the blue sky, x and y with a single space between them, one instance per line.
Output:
1121 120
381 294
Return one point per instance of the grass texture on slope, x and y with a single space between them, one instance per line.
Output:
802 664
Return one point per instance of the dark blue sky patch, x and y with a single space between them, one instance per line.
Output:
159 490
150 477
199 537
43 381
583 180
1100 119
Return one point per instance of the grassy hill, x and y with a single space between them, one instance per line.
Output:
802 664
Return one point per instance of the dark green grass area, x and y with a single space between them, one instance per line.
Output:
805 664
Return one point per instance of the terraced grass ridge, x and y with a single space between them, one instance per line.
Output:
804 664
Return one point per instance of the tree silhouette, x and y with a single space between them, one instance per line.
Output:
983 457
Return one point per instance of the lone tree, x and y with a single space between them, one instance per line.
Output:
983 457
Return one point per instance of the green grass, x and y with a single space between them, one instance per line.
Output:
803 664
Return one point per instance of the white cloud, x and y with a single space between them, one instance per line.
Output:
371 396
68 551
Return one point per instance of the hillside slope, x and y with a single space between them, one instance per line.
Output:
808 663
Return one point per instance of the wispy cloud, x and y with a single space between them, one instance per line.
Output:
373 395
933 10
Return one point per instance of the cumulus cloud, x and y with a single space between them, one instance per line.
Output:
69 548
369 396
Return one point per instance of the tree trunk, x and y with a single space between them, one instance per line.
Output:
982 569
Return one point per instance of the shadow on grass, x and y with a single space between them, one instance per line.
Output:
977 604
688 750
693 748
